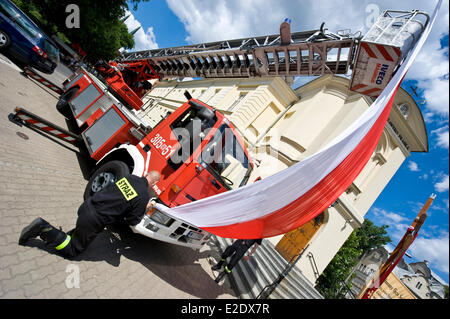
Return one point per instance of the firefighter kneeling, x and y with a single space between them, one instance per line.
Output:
127 199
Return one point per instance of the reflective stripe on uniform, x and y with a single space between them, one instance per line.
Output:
227 270
64 243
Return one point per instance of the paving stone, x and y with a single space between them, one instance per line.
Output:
44 179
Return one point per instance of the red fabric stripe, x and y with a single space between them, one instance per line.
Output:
317 199
368 50
383 51
357 87
370 91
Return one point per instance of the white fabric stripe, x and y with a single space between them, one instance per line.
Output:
275 192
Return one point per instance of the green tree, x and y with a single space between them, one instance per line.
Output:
101 32
361 240
371 236
339 268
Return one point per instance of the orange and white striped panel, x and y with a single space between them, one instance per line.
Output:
374 68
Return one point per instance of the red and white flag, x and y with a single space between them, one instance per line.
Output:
290 198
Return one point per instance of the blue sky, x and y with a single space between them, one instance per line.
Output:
174 23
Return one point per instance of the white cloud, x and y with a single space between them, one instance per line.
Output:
442 136
431 243
397 223
428 117
144 40
413 167
389 216
446 203
443 185
436 93
435 250
207 21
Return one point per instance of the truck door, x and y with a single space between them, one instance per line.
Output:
221 166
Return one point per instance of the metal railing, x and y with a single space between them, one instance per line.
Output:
313 265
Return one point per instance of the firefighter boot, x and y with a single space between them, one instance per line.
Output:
52 236
33 230
218 265
55 238
222 274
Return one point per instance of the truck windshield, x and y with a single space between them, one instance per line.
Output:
189 129
227 158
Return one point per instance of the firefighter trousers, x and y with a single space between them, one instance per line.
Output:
236 251
75 241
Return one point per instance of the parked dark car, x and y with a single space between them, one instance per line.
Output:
23 41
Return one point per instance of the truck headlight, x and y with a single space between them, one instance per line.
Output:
161 218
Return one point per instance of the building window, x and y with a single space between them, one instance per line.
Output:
418 285
404 109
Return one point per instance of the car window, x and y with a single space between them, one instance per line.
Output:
51 50
26 27
7 10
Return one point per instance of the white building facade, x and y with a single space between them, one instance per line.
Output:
281 126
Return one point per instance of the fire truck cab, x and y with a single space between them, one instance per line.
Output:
196 149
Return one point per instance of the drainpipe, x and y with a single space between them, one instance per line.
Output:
273 124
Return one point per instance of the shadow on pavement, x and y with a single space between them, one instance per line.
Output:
176 265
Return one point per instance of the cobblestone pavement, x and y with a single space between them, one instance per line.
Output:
41 178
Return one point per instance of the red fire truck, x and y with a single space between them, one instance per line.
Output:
196 148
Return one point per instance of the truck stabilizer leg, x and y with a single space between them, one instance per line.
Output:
30 120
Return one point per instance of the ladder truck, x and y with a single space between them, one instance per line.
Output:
197 150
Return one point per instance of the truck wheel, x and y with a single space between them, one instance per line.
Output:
4 40
105 175
63 103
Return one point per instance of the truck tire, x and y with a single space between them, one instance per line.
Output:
63 106
105 175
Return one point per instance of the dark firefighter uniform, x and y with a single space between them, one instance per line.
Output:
236 251
127 200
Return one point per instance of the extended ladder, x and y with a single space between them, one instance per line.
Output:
315 52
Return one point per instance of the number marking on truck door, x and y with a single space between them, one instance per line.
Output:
159 142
